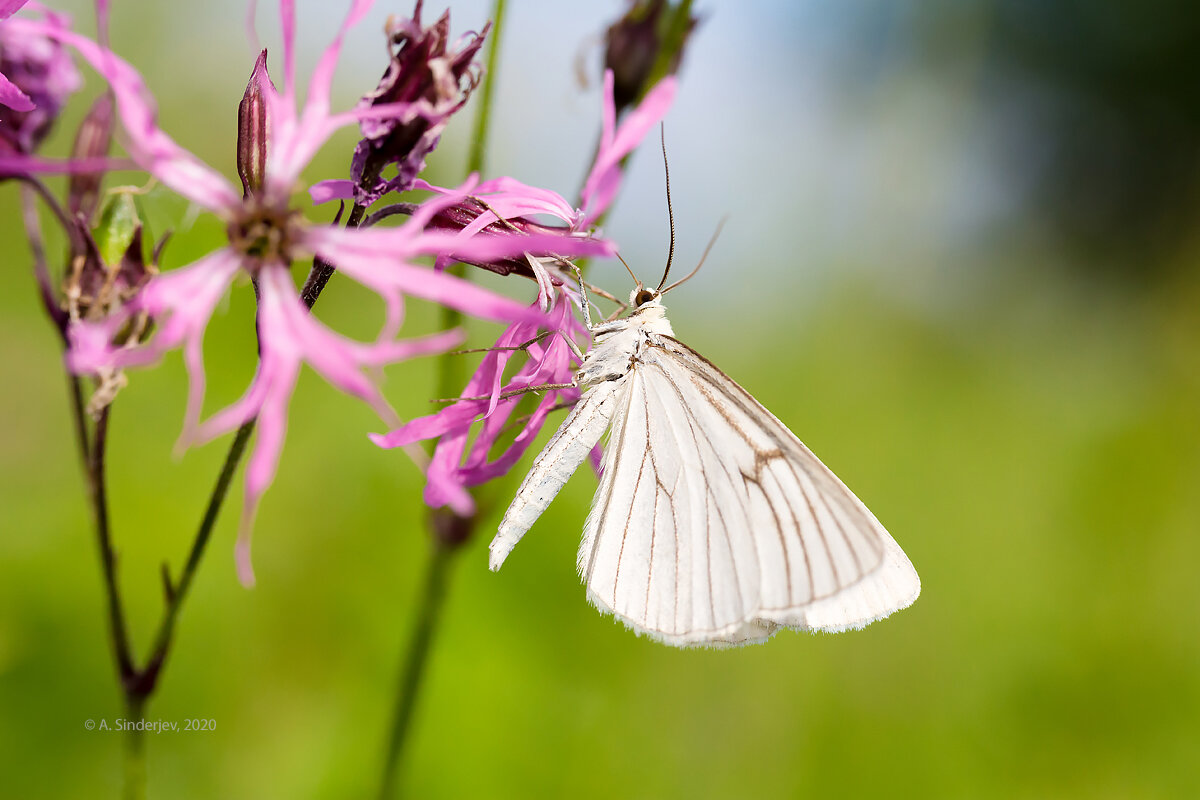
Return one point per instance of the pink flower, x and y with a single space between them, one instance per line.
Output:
550 360
36 78
494 209
10 94
602 183
515 201
265 237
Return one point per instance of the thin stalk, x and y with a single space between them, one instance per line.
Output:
483 121
416 657
108 560
135 754
176 591
448 535
322 270
79 415
64 219
135 749
41 273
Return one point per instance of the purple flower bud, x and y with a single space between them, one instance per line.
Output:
42 71
92 141
254 129
645 46
466 214
430 76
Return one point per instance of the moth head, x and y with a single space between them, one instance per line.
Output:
641 296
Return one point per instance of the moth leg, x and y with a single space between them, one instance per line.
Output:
503 349
587 304
541 387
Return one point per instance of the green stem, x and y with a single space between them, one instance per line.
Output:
176 592
415 659
97 490
483 121
135 754
447 531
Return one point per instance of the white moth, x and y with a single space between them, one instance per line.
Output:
713 524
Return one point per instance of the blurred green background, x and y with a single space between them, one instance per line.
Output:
961 265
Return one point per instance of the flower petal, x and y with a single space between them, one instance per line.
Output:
13 97
10 7
297 138
366 259
150 147
20 165
603 180
324 191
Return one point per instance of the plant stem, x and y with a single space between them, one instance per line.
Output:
322 270
135 754
477 153
127 672
177 591
80 418
108 559
415 659
92 457
448 531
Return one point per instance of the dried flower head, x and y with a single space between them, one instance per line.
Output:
104 279
433 78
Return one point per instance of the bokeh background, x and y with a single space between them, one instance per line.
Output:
961 264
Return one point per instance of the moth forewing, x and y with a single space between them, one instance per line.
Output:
562 455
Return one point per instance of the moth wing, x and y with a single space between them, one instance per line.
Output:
715 525
558 460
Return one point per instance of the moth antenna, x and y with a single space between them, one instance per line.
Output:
709 247
630 271
662 132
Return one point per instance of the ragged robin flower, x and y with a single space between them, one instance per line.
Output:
266 235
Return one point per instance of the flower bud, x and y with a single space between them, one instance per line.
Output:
254 129
92 141
644 46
